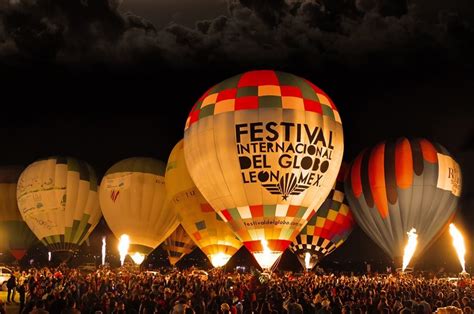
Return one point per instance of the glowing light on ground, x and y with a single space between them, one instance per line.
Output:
410 248
123 246
138 258
266 258
219 259
459 245
103 250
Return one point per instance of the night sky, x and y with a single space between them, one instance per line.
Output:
102 81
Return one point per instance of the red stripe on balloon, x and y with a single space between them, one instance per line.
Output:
257 78
356 179
377 179
430 153
206 208
403 164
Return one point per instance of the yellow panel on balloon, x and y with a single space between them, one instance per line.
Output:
207 229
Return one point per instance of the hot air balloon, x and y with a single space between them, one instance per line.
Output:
210 233
328 229
57 198
133 200
264 148
15 233
178 244
403 184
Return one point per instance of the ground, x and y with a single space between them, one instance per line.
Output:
14 307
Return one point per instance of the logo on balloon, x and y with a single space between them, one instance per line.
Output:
114 195
285 158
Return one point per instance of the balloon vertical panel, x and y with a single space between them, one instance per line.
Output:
178 245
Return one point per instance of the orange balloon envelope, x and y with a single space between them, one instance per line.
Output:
399 185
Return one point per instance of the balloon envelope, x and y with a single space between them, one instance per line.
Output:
178 244
403 184
15 233
211 234
57 198
133 201
264 148
328 229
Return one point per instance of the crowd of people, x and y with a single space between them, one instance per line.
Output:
63 290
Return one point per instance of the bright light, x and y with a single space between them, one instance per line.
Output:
459 246
410 248
49 256
103 250
219 259
268 257
138 258
307 260
123 246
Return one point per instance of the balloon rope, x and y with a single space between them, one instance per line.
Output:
275 265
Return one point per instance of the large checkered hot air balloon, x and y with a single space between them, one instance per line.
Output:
403 184
178 245
57 198
327 229
14 232
211 234
264 148
133 201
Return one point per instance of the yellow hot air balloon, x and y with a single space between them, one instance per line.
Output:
178 244
210 233
133 201
57 198
264 148
14 232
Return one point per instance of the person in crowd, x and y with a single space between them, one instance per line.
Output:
22 292
68 290
11 286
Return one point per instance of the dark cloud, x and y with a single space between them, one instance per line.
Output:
47 29
314 34
270 11
469 144
296 33
384 7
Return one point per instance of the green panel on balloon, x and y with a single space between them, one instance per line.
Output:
228 84
270 102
